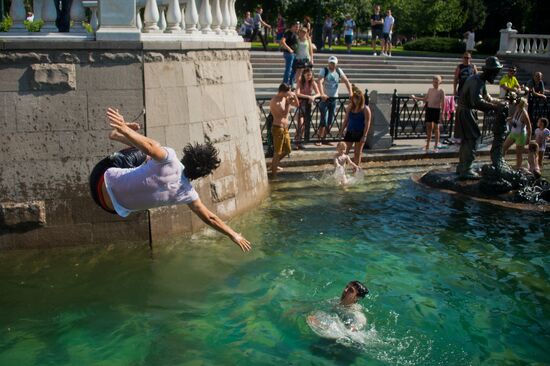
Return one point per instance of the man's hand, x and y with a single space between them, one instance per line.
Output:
116 121
242 242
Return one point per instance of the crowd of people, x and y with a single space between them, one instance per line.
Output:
255 28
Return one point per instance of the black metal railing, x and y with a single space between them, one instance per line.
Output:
538 107
407 120
311 120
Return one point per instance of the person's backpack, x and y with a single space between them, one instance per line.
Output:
337 70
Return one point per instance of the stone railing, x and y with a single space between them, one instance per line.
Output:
512 43
133 20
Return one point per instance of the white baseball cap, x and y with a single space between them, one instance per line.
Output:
333 59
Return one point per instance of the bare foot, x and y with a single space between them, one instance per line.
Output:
279 169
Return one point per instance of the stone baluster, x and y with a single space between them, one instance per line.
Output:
78 15
139 23
162 22
18 15
151 17
205 17
37 9
182 24
173 17
49 15
94 20
191 17
216 16
234 19
92 5
521 48
226 14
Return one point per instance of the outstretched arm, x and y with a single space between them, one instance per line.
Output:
215 222
124 133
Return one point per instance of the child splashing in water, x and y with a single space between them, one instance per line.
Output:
340 161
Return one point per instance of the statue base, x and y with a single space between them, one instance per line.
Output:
503 187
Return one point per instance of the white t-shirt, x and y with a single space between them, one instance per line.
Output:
348 27
152 184
388 22
332 79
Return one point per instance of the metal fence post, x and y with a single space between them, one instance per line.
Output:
393 131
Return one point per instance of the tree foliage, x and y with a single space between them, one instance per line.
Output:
420 17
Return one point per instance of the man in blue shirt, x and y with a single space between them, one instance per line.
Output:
329 79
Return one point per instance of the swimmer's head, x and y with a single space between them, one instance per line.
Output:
199 160
353 292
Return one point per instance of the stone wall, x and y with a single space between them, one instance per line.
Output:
52 114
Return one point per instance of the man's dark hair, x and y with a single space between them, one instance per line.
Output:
544 121
199 160
361 289
283 88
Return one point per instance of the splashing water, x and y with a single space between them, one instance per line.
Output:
338 177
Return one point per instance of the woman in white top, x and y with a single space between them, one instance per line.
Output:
304 53
520 131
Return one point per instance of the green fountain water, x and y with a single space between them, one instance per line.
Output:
452 282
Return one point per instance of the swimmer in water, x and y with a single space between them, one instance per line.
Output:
340 161
349 313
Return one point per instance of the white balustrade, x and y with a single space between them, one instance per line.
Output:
226 15
191 17
512 43
234 19
49 15
205 17
18 15
78 15
163 19
151 17
139 23
183 18
173 17
94 22
216 16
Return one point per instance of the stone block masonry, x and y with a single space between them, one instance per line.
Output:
52 114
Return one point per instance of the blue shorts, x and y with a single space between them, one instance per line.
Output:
348 39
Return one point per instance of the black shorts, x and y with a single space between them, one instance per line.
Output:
376 33
353 136
386 37
127 158
432 115
301 64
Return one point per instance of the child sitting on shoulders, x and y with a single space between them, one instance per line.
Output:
542 134
340 161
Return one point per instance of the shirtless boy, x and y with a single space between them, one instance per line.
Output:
279 107
435 100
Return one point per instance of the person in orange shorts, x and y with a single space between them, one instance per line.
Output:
279 107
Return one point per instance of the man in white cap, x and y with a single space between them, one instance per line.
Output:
329 79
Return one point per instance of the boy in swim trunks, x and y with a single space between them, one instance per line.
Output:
147 175
435 99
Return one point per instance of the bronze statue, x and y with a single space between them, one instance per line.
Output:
473 97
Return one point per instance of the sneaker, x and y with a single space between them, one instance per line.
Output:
374 54
389 55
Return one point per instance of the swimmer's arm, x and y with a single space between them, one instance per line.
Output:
212 220
145 144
